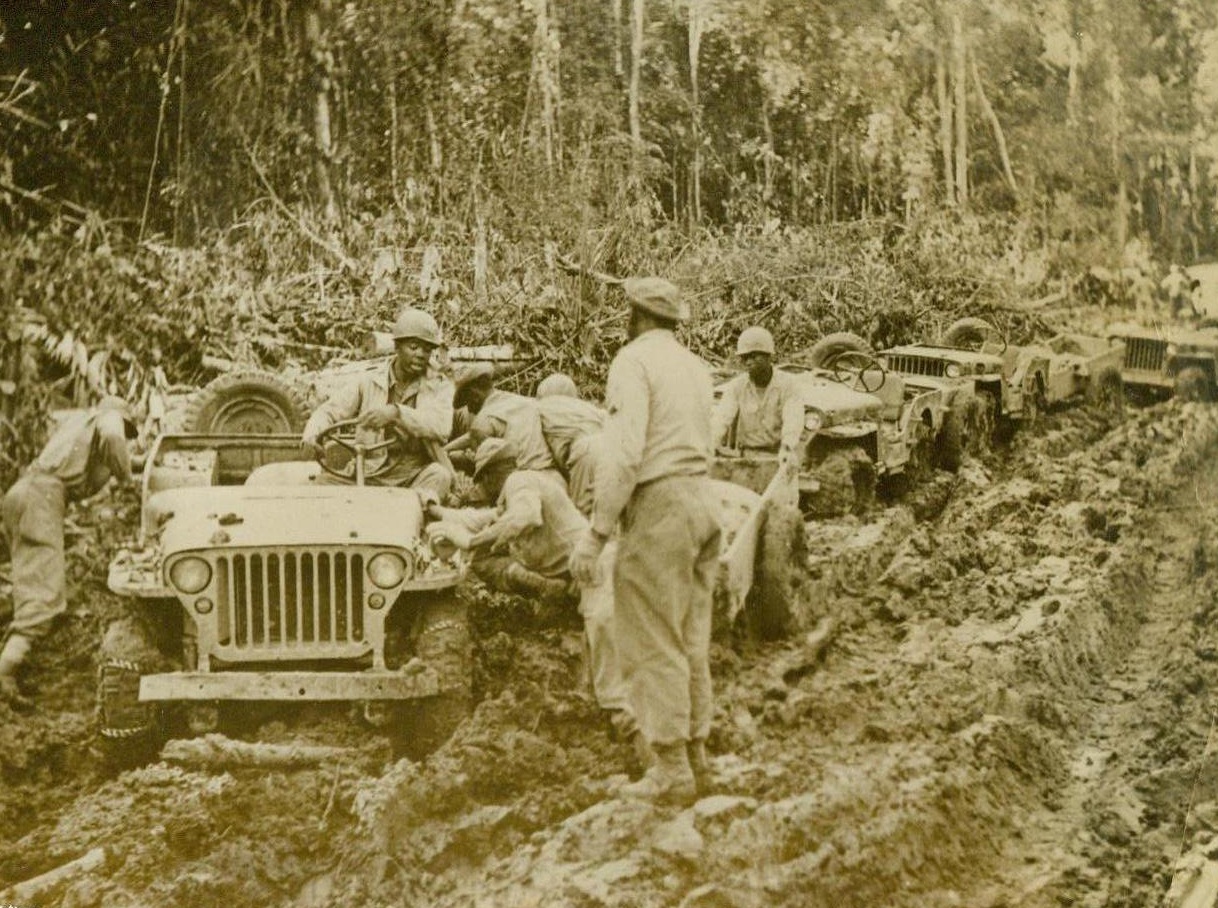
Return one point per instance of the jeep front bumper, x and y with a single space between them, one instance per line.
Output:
287 686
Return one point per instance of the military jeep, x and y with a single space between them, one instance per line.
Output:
253 582
1166 360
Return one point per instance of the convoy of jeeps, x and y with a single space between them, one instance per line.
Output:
248 582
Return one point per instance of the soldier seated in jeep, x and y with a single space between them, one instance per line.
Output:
409 400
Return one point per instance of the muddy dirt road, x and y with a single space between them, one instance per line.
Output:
1001 696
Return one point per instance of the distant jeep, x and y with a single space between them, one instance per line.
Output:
253 583
1166 360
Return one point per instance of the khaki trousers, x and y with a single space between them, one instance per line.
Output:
663 587
33 511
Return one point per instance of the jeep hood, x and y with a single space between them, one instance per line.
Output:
245 516
837 402
989 362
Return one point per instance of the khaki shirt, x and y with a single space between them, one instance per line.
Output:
564 419
660 399
425 406
763 418
85 452
536 521
522 428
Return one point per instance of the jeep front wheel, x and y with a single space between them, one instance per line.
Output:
129 732
949 443
1193 384
441 642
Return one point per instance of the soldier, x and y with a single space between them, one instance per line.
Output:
409 399
653 477
572 429
493 412
523 545
81 456
762 408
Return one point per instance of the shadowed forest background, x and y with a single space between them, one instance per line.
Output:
265 180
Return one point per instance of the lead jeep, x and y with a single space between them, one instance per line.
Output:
252 582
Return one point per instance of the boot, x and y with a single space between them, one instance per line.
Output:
15 649
704 776
669 781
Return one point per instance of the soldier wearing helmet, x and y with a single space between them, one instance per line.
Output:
761 409
572 428
406 398
487 411
82 455
652 476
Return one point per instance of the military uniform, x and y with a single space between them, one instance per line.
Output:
572 430
761 419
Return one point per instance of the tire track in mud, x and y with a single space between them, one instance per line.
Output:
936 754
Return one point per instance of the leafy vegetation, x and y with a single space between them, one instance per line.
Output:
263 179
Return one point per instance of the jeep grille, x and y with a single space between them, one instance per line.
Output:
290 600
916 365
1145 353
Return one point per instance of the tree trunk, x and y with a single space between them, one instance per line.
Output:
960 85
945 124
322 67
619 66
546 86
695 44
999 137
637 13
1121 213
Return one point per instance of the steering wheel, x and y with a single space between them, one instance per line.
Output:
852 367
343 434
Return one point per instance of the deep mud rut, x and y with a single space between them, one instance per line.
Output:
1003 701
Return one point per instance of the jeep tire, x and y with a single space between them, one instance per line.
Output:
1193 384
130 733
246 403
949 443
781 554
831 345
1106 391
442 641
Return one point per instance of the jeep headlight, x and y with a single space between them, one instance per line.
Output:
190 574
952 370
387 570
813 420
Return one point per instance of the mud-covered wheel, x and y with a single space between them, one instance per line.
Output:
129 733
781 554
983 419
442 642
922 453
847 480
246 403
1106 391
948 453
1035 401
832 345
1193 384
971 333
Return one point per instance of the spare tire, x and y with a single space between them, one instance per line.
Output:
246 403
832 344
966 331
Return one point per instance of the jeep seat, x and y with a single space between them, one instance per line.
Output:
286 473
891 392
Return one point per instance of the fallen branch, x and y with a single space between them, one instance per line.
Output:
569 265
33 891
216 750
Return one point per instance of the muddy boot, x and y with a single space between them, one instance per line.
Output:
669 781
15 649
623 727
704 776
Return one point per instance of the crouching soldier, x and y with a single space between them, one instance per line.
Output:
523 545
81 456
572 428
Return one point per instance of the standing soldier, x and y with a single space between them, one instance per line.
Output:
653 476
407 398
762 409
80 458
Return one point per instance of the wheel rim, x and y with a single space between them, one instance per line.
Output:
249 417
